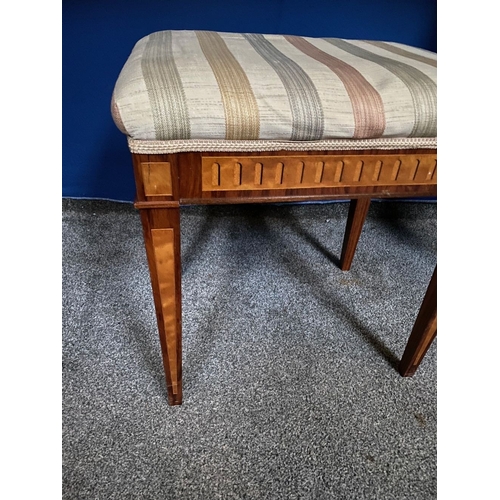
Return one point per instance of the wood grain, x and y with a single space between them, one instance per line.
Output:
423 333
358 210
164 182
160 217
238 173
157 178
163 247
188 167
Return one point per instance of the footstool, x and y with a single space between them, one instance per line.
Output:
225 118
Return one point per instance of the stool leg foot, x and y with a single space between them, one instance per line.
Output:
358 210
161 229
423 333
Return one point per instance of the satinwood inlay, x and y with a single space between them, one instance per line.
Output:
395 170
163 245
157 178
246 173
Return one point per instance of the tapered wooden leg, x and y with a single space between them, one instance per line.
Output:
358 209
161 228
423 333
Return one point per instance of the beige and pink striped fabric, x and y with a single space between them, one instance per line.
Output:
192 85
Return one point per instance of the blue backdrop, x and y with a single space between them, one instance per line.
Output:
99 35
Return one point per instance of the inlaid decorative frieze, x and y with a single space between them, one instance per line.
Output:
246 173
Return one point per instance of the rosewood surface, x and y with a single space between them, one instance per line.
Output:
423 333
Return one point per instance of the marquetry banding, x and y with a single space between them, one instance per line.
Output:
432 170
320 167
413 171
377 170
246 173
280 167
237 174
163 247
300 172
395 170
157 178
258 174
339 169
357 171
215 174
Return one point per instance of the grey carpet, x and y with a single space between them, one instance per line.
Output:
290 382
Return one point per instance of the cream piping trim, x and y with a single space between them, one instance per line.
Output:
201 145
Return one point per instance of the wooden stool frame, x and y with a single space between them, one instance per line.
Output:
165 182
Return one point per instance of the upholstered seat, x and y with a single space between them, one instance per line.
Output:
208 85
248 118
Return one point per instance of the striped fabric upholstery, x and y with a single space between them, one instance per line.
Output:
183 85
